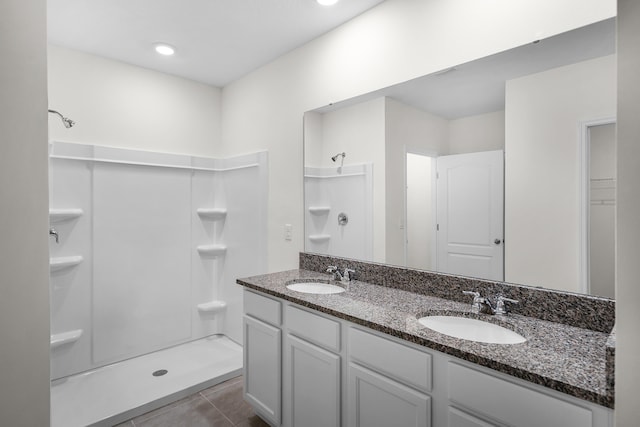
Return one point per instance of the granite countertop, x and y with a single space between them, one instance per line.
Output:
564 358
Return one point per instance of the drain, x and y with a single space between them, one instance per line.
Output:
159 372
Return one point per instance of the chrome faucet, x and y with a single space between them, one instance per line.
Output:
345 277
484 305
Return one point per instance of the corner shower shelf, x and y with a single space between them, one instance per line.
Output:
212 213
59 215
60 263
212 250
319 238
63 338
212 306
319 210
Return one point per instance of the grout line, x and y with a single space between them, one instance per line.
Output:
219 410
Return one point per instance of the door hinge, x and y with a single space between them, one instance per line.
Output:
437 227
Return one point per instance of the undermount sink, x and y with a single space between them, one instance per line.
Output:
315 288
471 329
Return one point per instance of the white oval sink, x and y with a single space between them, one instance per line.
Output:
315 288
471 329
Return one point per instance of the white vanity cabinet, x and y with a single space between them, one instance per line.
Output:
330 372
387 383
262 339
312 370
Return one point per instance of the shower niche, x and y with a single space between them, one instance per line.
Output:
149 248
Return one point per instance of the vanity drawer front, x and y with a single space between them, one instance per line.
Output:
316 329
410 366
510 403
262 308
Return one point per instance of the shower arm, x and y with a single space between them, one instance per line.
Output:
65 120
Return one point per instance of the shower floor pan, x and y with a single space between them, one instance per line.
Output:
118 392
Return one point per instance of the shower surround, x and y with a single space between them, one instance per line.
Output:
149 248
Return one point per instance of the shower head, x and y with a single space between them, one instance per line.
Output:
65 120
343 155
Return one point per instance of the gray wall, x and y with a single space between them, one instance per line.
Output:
24 266
628 215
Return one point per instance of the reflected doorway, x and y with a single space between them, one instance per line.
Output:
420 237
601 184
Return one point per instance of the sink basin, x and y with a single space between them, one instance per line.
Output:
471 329
315 288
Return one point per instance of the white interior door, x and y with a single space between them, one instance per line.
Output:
470 214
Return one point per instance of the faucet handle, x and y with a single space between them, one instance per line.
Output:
477 300
501 309
332 269
348 273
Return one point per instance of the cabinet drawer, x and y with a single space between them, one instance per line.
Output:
411 366
456 418
262 308
510 403
317 329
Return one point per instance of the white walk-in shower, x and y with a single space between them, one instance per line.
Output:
339 209
143 275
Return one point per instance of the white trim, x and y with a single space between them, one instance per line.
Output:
159 165
583 198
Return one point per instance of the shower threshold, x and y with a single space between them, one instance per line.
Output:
115 393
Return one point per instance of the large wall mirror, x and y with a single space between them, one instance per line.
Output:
502 168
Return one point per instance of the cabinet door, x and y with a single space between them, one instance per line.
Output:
315 385
262 368
378 401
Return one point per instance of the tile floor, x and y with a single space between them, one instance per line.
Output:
219 406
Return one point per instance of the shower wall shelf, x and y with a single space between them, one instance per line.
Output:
212 213
60 339
212 306
319 238
59 215
212 250
319 210
60 263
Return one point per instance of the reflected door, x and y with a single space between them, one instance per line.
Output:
470 212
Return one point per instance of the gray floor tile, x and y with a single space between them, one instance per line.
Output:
229 401
254 421
194 411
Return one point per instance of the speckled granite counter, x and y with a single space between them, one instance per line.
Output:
565 358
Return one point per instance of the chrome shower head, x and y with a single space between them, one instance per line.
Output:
343 155
65 120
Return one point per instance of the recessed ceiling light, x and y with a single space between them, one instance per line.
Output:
327 2
165 49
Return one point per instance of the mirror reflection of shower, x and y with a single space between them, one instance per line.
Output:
65 120
342 156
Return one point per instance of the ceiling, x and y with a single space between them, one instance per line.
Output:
216 41
478 87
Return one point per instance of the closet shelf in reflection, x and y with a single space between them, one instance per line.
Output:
59 215
212 213
319 238
212 306
212 250
319 210
61 263
60 339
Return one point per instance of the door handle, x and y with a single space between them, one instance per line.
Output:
497 241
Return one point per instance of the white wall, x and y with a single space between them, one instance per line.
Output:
542 226
24 258
358 131
392 43
407 129
628 212
120 105
484 132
